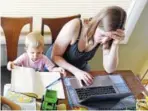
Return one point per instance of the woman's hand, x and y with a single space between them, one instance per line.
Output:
83 76
60 69
117 35
103 37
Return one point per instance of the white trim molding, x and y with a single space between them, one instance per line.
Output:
133 15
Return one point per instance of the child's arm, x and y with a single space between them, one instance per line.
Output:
18 62
10 65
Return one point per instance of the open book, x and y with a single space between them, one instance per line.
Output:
32 83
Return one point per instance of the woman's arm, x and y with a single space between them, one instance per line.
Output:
68 32
110 58
65 38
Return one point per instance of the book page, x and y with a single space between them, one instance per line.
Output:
59 88
39 87
46 78
22 79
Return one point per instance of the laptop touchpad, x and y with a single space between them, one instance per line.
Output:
102 81
98 81
75 83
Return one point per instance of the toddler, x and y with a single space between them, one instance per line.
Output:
34 57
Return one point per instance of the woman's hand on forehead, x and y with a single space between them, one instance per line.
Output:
108 34
118 33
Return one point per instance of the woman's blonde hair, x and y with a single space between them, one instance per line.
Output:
117 18
35 40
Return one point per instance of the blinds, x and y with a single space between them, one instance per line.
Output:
58 8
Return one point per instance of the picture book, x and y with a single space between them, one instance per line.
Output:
32 83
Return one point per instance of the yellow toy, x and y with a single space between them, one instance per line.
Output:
142 104
80 108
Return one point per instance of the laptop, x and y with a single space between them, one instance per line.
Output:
106 87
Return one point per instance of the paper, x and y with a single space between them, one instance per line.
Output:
22 79
58 86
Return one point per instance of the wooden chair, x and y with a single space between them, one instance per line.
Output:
12 28
56 24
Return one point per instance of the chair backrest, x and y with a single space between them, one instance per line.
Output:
56 24
12 28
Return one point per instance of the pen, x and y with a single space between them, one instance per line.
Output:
53 82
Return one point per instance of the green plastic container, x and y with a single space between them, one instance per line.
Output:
49 100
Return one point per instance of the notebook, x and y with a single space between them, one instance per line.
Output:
101 101
32 83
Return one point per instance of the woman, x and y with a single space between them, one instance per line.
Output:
77 43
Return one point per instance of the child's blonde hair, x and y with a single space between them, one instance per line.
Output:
35 40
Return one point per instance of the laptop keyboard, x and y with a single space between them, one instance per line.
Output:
84 93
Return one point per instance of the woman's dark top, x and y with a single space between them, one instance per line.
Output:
73 56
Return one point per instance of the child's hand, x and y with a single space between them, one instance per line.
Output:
61 70
10 65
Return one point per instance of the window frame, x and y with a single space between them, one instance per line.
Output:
133 15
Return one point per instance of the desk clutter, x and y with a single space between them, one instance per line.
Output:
126 102
49 100
26 94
